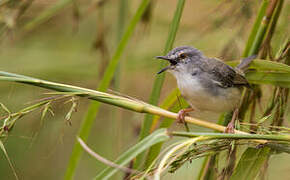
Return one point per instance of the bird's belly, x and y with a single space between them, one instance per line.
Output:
201 99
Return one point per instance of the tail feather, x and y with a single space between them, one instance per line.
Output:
246 62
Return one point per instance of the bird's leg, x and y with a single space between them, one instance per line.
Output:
182 113
231 126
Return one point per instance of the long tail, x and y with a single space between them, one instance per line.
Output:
244 64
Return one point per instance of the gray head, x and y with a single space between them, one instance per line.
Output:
180 58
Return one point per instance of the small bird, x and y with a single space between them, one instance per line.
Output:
207 84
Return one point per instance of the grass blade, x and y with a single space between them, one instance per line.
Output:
273 78
264 65
160 135
268 72
255 28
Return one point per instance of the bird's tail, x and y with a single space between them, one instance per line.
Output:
245 62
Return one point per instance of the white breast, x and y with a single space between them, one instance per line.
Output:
200 99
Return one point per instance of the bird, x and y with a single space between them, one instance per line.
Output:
207 84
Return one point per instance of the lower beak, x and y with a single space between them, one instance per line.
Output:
164 69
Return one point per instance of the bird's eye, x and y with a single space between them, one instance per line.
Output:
183 55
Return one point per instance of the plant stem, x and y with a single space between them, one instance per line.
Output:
123 102
262 28
255 28
232 136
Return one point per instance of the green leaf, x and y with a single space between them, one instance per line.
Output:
156 137
250 163
268 72
264 65
273 78
256 26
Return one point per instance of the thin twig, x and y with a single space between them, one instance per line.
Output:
103 160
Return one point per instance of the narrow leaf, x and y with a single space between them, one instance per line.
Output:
255 28
262 65
273 78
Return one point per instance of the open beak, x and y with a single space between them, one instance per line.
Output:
172 62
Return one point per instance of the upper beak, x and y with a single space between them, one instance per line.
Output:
164 58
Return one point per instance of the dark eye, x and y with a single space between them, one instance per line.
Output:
183 55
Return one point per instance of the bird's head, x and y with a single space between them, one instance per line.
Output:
180 58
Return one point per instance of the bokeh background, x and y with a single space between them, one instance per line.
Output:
73 46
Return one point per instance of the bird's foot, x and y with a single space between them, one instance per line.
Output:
181 115
230 128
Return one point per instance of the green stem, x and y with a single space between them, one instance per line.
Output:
255 28
233 136
261 32
123 102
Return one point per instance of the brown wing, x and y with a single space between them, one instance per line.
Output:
224 75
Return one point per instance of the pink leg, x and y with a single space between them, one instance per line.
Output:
182 113
231 126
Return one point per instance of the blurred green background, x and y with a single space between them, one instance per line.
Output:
62 50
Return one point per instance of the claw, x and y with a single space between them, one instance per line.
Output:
181 115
